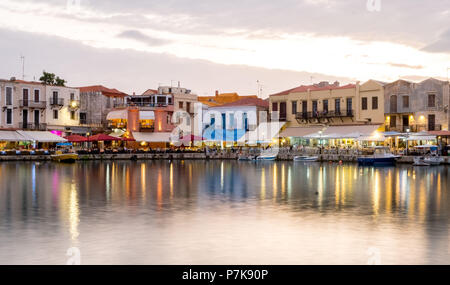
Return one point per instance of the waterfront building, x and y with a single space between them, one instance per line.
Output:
223 98
148 117
237 118
417 107
95 104
30 105
308 110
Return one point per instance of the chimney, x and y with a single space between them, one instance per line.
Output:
217 93
13 79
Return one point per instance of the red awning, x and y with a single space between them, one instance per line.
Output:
191 138
76 138
102 137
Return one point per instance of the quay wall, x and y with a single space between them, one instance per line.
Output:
193 156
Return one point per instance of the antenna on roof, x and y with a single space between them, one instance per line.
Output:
23 66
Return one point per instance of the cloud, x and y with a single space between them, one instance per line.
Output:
139 36
134 75
405 65
441 45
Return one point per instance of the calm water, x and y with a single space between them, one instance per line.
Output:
229 212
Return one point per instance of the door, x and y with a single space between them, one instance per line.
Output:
314 109
36 119
305 109
283 111
431 122
25 119
393 103
25 97
349 107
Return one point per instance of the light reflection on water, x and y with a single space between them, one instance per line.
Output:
222 212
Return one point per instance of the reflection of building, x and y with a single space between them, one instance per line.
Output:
417 107
34 106
96 102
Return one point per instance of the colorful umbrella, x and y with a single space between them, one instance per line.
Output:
102 137
76 138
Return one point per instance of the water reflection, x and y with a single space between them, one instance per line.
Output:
310 213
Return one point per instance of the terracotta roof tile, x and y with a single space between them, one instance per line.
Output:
305 88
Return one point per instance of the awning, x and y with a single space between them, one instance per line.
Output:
373 138
12 136
41 136
346 132
146 115
117 115
300 132
264 133
151 137
440 133
420 138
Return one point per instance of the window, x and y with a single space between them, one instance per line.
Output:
325 106
364 103
405 101
314 108
72 96
55 114
294 107
274 106
8 96
393 122
431 100
188 106
83 118
9 116
349 106
393 104
374 103
337 106
72 115
180 105
36 95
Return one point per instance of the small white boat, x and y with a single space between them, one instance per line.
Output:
433 160
306 158
267 157
420 161
246 157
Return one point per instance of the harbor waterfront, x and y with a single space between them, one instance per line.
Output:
223 212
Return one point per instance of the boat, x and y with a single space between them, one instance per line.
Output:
306 158
59 156
420 161
64 153
433 160
246 157
381 157
267 157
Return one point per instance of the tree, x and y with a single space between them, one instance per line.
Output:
48 78
60 81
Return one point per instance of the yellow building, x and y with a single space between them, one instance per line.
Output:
311 109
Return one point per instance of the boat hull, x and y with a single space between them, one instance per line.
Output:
266 158
306 159
375 161
67 158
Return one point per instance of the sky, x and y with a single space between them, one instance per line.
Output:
231 46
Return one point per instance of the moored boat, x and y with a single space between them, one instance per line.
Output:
267 157
246 157
59 156
433 160
420 161
306 158
381 157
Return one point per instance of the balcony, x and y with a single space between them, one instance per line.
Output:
324 114
32 104
57 102
413 128
33 127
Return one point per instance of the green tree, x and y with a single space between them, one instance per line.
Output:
48 78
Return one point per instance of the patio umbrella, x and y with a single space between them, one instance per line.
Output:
191 138
102 137
76 138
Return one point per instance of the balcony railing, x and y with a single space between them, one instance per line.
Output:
32 104
32 126
56 101
141 104
413 128
324 114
